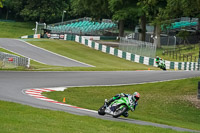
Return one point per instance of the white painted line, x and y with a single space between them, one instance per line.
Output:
55 53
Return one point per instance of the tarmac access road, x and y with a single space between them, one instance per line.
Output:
38 54
13 83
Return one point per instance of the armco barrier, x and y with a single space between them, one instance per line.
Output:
134 57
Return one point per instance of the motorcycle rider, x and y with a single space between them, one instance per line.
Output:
158 59
134 98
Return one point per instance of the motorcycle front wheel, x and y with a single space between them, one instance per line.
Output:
101 110
119 111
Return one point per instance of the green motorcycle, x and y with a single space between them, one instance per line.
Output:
117 107
162 65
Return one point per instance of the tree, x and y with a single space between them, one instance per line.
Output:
96 9
153 11
1 3
43 10
122 10
78 9
142 12
179 8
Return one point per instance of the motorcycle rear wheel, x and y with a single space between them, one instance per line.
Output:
118 112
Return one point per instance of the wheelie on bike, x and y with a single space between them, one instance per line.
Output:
120 105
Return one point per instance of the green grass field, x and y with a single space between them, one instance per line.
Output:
194 51
15 29
172 103
101 61
17 118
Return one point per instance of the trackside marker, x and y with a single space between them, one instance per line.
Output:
64 100
37 93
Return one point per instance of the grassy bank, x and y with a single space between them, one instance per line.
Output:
101 61
172 103
15 29
191 51
17 118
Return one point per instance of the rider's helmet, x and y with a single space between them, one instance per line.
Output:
157 57
136 96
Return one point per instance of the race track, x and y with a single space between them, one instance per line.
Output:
13 83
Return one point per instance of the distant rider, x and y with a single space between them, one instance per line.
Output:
134 98
158 59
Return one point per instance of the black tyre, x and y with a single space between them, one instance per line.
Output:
118 112
164 68
101 110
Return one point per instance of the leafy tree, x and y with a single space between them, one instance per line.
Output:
1 3
153 11
78 9
43 10
96 8
122 10
15 6
179 8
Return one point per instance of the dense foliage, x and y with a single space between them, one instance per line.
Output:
126 12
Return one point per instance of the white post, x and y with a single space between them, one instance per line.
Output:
36 27
29 62
174 43
63 15
45 26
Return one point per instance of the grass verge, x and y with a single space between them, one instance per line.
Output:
172 103
192 53
15 29
17 118
102 61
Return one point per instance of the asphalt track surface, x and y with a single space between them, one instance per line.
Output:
12 83
38 54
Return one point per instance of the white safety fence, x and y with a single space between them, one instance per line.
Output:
13 60
190 66
137 47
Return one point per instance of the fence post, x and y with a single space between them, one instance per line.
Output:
28 65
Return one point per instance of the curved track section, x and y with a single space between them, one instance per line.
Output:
38 54
13 84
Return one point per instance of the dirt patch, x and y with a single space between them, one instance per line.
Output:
193 99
